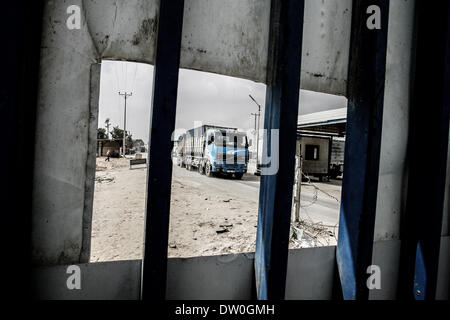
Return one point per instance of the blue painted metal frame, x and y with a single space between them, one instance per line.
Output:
282 99
428 147
159 179
366 81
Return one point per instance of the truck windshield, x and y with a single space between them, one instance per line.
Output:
230 140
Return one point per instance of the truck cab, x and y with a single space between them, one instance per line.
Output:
226 152
214 150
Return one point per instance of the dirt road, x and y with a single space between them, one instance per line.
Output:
209 216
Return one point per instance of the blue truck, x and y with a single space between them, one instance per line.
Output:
214 150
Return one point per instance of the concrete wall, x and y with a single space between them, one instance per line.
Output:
227 37
309 276
228 277
393 162
91 163
310 273
118 280
326 46
394 140
62 134
233 43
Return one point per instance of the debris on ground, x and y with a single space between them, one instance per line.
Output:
200 227
104 179
306 234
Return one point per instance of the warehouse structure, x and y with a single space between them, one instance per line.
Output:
332 122
388 218
114 146
320 136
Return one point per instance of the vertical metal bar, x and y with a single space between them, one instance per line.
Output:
366 80
282 98
428 146
159 179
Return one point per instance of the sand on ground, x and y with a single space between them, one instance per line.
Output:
199 212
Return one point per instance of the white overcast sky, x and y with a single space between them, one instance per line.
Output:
204 97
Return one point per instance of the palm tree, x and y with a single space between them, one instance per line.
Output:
107 123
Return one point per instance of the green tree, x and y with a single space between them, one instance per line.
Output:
117 134
129 141
101 133
107 124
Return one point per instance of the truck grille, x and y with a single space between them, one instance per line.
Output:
231 159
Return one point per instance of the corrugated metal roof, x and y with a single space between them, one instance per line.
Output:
323 118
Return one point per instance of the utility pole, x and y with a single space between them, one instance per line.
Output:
125 95
257 115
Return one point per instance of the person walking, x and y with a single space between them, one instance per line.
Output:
108 154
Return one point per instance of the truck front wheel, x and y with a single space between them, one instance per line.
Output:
238 176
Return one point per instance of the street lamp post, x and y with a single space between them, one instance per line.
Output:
257 132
